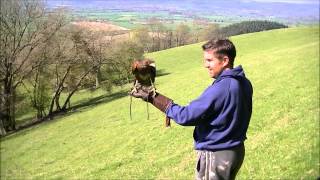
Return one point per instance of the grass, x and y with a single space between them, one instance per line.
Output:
101 142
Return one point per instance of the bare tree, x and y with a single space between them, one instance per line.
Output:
77 55
141 36
40 94
209 32
168 39
66 58
182 34
157 30
98 48
24 26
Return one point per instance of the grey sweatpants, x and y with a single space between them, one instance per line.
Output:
217 165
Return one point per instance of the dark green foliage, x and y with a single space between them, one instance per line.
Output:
40 97
249 27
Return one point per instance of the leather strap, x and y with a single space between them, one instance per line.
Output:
168 123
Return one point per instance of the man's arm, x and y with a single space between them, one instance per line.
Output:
199 109
208 103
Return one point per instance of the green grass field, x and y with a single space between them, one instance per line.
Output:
99 141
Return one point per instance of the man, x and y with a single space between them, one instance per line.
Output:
220 115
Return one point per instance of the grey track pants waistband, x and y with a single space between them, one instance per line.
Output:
217 165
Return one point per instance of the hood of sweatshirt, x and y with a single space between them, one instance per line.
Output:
236 73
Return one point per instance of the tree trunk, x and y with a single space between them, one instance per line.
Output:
98 77
56 97
170 39
13 110
3 132
2 118
159 42
64 107
9 105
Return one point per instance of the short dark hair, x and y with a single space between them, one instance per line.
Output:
222 47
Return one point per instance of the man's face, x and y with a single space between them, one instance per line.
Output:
215 66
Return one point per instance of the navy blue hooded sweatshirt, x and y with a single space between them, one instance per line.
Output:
221 114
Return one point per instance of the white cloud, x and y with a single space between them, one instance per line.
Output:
287 1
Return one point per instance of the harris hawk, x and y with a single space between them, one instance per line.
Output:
144 72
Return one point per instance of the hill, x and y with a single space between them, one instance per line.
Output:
100 141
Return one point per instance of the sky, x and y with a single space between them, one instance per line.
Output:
316 2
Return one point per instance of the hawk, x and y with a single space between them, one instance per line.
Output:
143 87
144 71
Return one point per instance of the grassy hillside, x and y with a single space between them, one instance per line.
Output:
101 142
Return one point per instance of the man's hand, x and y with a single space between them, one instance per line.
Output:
149 95
145 93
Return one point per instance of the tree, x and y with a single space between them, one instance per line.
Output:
196 30
157 30
24 26
40 94
182 34
77 55
209 32
168 39
249 27
124 54
141 36
97 48
70 66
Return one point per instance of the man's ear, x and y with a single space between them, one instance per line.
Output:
225 61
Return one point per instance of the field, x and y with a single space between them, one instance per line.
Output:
99 141
98 26
132 19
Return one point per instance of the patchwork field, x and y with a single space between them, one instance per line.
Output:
99 141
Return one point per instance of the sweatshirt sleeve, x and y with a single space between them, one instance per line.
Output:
210 101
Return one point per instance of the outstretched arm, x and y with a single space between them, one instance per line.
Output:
191 115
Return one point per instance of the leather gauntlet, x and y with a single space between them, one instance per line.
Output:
162 103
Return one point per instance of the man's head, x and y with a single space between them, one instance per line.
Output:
219 54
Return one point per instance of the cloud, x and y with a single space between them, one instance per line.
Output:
286 1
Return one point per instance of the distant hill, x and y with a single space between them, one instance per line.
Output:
100 141
290 12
